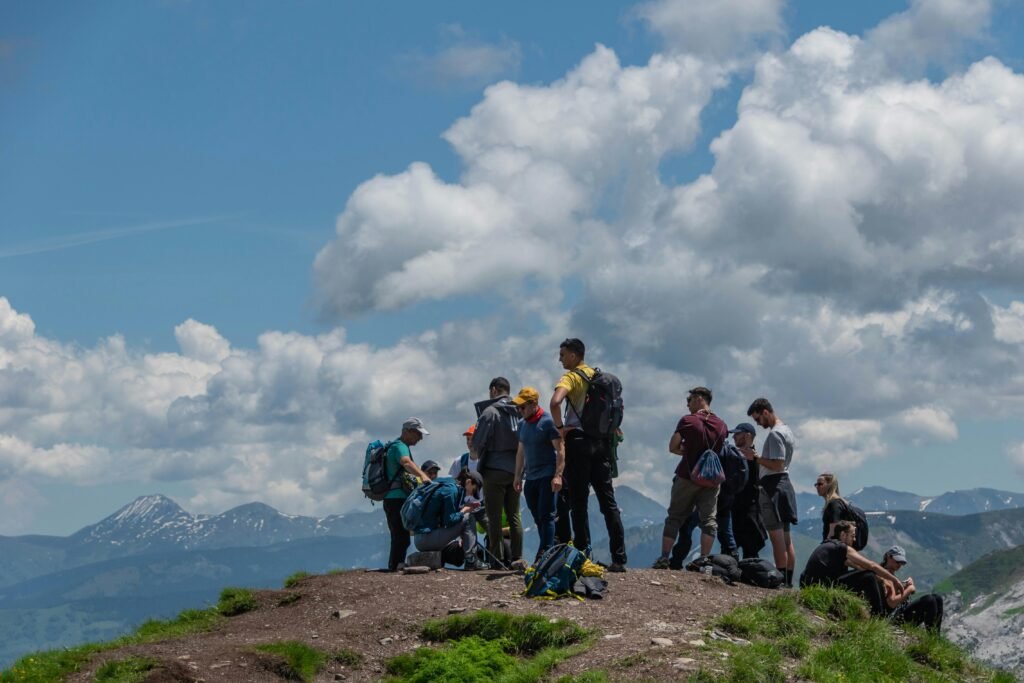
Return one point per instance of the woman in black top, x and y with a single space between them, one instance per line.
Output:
827 486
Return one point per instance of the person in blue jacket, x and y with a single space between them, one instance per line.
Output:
450 516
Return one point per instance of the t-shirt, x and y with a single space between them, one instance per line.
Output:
456 467
826 563
700 431
778 445
396 451
832 513
538 451
577 393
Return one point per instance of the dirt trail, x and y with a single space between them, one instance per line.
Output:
379 616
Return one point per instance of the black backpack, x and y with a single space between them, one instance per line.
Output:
758 572
736 470
852 513
602 406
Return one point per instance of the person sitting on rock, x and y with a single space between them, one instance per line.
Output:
828 565
925 611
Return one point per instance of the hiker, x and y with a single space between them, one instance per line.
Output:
827 486
777 497
735 466
495 443
448 522
925 611
748 529
698 431
587 460
540 462
397 459
828 564
465 462
431 469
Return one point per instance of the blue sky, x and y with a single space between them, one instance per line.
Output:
174 161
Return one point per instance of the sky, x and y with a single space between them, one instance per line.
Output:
238 241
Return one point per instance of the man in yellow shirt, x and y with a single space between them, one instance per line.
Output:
587 461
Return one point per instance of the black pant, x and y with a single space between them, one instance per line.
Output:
399 536
925 611
588 464
869 586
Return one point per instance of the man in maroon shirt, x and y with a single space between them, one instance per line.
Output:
697 432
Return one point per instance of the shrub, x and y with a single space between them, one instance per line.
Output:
294 580
304 660
235 601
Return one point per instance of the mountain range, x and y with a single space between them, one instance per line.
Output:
152 558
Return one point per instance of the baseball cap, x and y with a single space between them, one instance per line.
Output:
897 553
430 465
477 479
744 427
470 431
526 395
417 424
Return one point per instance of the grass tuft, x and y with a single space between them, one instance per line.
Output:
304 660
776 618
296 578
467 659
130 670
289 599
861 652
935 652
757 663
347 657
189 621
521 635
235 601
836 603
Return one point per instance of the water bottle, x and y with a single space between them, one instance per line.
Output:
707 571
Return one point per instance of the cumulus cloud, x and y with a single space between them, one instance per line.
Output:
463 60
928 422
720 29
930 30
1015 454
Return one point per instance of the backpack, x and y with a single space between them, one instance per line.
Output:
736 470
555 573
707 472
375 471
725 567
602 405
418 515
758 572
852 513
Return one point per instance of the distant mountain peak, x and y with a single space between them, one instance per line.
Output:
147 507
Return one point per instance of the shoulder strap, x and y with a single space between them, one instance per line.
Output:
568 398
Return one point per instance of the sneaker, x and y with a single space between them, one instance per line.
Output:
518 565
660 563
617 568
400 567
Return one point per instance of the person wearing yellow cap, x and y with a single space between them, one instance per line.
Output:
540 461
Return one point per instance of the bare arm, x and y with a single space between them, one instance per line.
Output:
858 561
556 481
675 444
772 465
556 408
412 468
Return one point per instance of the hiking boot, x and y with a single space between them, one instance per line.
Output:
617 568
660 563
518 565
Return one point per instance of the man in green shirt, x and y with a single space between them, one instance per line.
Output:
397 461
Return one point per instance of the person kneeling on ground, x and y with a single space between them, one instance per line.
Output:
448 518
925 611
828 564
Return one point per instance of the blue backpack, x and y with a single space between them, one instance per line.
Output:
555 573
708 472
421 511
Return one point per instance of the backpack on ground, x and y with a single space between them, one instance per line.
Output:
418 515
603 409
555 573
725 567
852 513
736 470
376 483
758 572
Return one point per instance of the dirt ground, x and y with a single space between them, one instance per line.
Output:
379 615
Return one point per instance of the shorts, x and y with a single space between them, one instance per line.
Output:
770 516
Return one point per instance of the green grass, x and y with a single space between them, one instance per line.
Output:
296 578
348 657
833 603
289 599
56 665
776 618
595 676
992 573
1012 612
304 660
490 646
757 663
130 670
522 635
937 653
235 601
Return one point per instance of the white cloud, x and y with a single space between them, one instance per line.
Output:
1009 322
930 30
1015 454
930 422
719 29
835 445
464 60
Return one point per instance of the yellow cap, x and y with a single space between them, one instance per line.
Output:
526 395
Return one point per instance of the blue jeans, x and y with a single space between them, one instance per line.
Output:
540 500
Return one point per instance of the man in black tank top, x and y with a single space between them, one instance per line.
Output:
830 562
